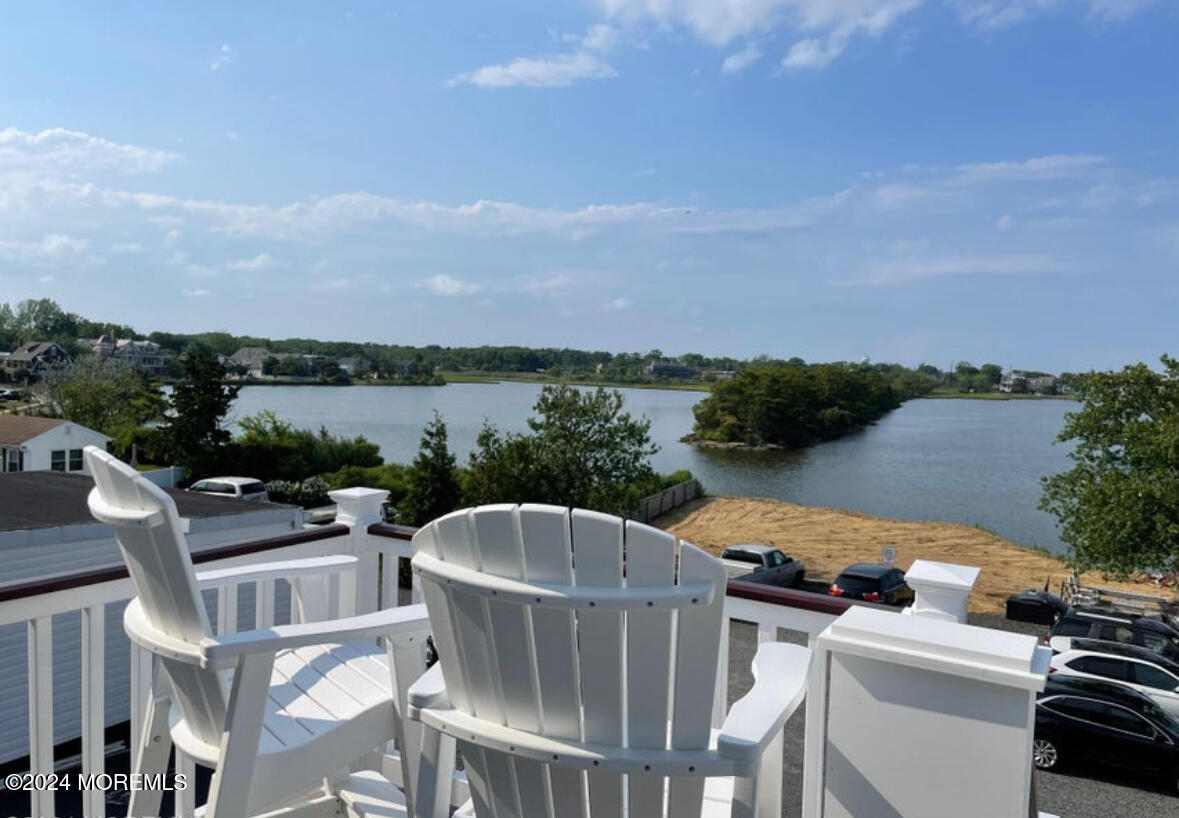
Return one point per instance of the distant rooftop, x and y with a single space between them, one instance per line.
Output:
44 499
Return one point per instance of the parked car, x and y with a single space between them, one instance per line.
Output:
1107 723
764 564
244 488
1114 626
9 394
1039 607
1139 668
873 583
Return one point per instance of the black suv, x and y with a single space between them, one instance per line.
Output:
1113 626
874 583
1107 723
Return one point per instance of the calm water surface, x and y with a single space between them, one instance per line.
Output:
966 461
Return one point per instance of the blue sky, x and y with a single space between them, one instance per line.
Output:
904 180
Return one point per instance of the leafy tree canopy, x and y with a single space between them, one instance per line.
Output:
583 450
792 405
1118 506
103 394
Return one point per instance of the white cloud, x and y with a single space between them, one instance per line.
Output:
812 53
740 60
553 285
448 286
65 151
998 14
46 279
916 268
197 293
824 28
617 304
126 247
52 248
172 236
1005 222
202 271
250 265
223 57
599 37
553 71
1056 166
873 20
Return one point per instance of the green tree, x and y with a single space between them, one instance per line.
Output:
583 450
1118 506
41 319
195 433
434 486
106 395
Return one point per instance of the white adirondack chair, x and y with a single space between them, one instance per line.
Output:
280 713
578 659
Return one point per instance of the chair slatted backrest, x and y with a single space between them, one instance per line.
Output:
616 678
158 561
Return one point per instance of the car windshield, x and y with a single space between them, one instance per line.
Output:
742 556
857 584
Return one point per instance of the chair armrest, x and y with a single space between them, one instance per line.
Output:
428 690
408 621
780 673
283 569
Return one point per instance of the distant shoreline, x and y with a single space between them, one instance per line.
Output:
993 396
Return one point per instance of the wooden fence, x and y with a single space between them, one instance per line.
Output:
663 502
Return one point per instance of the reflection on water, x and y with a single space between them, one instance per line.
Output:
966 461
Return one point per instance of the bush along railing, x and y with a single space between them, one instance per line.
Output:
664 501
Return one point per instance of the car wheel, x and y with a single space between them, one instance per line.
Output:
1044 754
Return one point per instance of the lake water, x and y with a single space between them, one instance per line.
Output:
977 462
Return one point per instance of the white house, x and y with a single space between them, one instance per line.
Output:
45 444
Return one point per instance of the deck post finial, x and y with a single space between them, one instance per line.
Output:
943 589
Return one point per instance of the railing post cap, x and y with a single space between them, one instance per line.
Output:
358 495
941 576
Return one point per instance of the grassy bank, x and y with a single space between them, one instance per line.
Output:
828 540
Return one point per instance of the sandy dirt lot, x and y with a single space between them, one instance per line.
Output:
828 540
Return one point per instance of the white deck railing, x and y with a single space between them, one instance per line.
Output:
358 532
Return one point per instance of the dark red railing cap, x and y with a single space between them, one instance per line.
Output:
794 598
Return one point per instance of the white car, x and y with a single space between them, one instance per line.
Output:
1135 667
244 488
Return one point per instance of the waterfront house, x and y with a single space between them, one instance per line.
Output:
251 358
45 444
33 358
1042 384
147 356
669 368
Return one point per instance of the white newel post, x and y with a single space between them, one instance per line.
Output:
920 717
358 508
943 589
